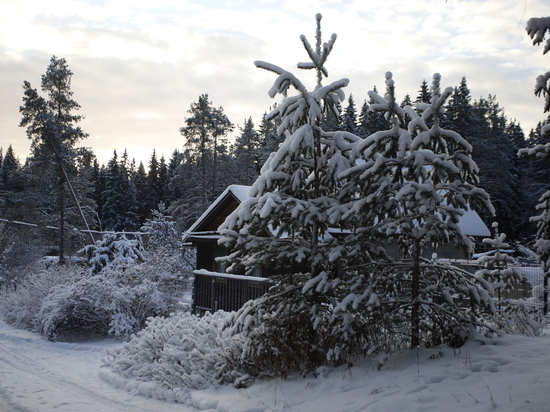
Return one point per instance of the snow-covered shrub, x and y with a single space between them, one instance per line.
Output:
21 306
115 251
521 316
178 352
133 305
82 307
99 305
165 263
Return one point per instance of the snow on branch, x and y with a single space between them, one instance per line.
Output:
537 28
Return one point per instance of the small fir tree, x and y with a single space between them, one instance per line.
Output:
410 188
283 226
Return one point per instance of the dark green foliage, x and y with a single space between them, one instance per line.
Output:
349 117
119 209
246 154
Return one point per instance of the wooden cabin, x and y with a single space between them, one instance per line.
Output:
214 290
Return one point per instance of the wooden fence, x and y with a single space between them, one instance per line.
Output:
214 291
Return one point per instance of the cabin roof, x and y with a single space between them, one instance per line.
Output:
207 224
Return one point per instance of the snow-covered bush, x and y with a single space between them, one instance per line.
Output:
115 251
21 306
180 352
82 307
501 276
99 305
165 263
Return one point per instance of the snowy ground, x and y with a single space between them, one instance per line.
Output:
507 374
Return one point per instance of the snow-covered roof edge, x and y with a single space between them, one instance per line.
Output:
470 222
240 192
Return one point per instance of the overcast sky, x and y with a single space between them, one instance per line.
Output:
138 65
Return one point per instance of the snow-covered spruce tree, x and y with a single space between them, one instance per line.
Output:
511 315
283 228
114 252
496 268
165 264
409 188
536 29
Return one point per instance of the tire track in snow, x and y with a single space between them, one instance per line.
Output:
24 379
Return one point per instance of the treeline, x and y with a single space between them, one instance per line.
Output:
121 195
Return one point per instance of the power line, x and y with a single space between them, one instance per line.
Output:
99 232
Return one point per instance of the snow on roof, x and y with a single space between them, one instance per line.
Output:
470 223
240 192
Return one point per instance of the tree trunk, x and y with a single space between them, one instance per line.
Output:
415 295
61 225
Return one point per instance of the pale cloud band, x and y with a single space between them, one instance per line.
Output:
139 65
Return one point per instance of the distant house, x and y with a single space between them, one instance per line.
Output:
213 289
204 232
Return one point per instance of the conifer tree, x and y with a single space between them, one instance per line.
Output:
410 189
376 121
246 153
498 269
119 211
459 112
363 121
205 132
537 29
141 185
269 139
283 225
349 121
424 94
493 149
51 127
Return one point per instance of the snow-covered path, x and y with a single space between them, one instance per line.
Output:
508 374
37 375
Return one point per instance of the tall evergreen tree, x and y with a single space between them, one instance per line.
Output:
283 225
363 121
246 152
496 154
537 29
460 114
406 102
376 121
51 126
349 118
119 210
270 139
143 194
410 188
10 166
424 94
205 132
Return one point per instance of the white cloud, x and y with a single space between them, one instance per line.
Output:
139 65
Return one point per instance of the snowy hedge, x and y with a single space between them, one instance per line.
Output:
20 307
114 296
99 305
178 352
